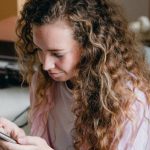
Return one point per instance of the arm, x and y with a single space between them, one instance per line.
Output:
24 142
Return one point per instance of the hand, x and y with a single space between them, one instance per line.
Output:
26 143
11 129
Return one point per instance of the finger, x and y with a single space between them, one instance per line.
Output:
38 142
10 128
6 124
20 147
31 140
3 144
10 146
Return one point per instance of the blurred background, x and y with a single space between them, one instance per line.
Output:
14 97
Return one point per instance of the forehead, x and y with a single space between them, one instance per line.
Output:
53 35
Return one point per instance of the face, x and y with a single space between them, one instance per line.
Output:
57 50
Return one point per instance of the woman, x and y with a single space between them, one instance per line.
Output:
89 84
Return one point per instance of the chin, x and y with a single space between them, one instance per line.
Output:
60 79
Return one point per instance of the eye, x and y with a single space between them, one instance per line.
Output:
57 55
37 49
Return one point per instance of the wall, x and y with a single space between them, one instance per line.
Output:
136 8
20 4
133 8
8 8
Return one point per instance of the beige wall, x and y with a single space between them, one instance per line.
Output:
136 8
20 4
8 8
8 17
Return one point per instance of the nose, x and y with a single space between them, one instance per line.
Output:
49 63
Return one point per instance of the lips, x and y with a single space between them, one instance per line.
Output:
54 74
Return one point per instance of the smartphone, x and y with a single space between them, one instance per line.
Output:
6 138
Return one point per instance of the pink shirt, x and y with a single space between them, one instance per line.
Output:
134 137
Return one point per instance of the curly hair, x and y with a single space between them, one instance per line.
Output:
111 58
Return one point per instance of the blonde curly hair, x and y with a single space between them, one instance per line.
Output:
111 58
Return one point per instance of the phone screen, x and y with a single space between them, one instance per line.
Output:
6 138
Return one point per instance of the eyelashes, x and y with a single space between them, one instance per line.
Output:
57 55
41 53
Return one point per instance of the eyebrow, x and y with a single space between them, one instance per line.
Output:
55 50
49 49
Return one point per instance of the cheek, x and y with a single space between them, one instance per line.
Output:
67 64
60 64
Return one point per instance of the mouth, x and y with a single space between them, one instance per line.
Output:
55 74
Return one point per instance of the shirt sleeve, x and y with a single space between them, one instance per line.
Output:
137 133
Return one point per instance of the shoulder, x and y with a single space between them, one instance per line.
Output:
137 127
141 101
140 105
